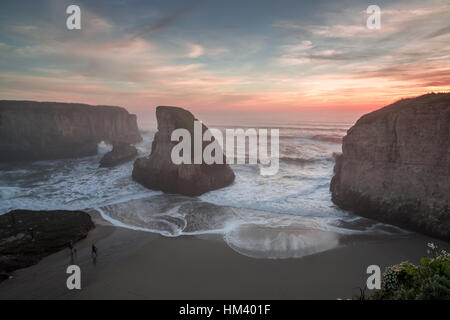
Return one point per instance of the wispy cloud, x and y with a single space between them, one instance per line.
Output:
329 60
170 19
195 51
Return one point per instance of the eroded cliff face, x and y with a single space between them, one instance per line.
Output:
158 172
395 166
48 130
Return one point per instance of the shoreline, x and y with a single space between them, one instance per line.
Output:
142 265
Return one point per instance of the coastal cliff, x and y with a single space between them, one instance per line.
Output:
158 172
395 166
49 130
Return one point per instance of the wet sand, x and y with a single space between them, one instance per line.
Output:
141 265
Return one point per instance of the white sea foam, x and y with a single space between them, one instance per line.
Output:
279 243
286 215
254 233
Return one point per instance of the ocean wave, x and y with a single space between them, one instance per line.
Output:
289 214
279 243
303 161
253 233
343 128
328 138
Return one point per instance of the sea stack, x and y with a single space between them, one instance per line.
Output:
32 131
395 166
158 172
122 152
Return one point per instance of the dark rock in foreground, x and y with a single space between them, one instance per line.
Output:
158 172
122 152
395 166
28 236
49 130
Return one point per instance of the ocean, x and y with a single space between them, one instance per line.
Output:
286 215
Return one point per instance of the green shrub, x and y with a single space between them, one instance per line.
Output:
428 281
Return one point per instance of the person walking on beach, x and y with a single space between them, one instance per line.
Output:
93 251
73 250
70 245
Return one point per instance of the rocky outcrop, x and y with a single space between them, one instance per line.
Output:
28 236
395 166
158 172
49 130
122 152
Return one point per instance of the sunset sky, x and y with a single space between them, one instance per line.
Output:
224 55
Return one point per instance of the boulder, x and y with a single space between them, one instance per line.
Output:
395 166
158 172
122 152
28 236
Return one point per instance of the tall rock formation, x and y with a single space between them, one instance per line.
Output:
395 165
50 130
122 152
158 172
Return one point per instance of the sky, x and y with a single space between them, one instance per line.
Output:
234 56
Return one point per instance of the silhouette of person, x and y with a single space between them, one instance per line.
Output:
94 251
70 246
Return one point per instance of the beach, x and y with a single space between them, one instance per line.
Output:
276 237
135 264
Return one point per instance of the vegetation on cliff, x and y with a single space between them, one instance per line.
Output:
430 280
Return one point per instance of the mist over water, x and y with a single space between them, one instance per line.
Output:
286 215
